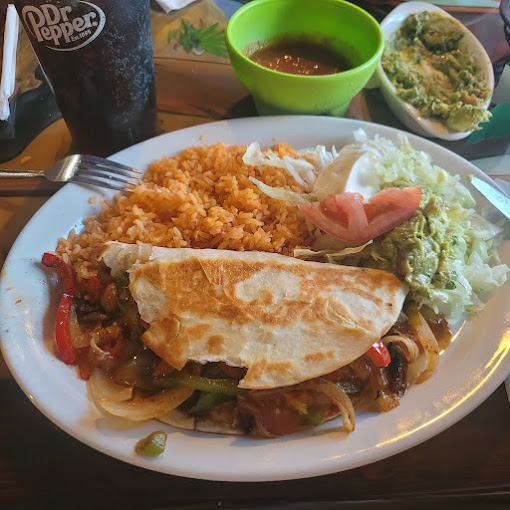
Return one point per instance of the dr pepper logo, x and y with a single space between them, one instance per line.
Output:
64 28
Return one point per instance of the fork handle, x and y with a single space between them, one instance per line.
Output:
16 174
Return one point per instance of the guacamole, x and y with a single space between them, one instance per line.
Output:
425 63
416 250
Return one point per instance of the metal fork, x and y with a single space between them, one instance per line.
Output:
85 169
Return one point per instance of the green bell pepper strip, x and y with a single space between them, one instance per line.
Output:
313 416
123 292
207 400
152 445
225 386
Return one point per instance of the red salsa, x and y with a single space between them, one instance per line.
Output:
300 56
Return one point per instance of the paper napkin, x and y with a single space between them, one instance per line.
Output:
8 79
173 5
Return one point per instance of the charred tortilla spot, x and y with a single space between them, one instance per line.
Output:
280 368
197 332
257 369
315 356
232 313
266 298
215 344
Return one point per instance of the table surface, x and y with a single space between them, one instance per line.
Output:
466 466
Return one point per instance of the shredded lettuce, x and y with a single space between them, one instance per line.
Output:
321 157
284 194
302 170
331 255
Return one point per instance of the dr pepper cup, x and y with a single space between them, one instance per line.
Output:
98 57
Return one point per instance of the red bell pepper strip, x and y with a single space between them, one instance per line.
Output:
379 354
65 347
95 288
117 348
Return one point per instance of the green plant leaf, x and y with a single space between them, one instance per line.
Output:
198 41
172 34
185 39
212 40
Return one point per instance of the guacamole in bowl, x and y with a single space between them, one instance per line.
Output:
431 69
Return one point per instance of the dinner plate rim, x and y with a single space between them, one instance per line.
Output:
202 134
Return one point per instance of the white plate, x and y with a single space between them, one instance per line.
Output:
470 369
408 114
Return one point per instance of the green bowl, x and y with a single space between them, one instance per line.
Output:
344 27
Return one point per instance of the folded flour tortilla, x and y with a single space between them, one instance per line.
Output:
284 319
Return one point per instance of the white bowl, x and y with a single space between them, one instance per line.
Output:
408 114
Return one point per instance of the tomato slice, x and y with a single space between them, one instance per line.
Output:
346 217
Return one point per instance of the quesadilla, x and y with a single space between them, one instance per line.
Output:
285 320
283 325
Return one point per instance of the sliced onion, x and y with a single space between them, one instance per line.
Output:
258 429
337 396
294 400
179 419
430 347
416 368
409 347
328 389
115 399
103 388
98 353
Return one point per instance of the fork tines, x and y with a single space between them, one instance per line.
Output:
109 174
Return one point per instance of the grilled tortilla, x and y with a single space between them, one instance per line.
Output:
284 319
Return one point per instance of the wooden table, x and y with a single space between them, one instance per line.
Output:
41 467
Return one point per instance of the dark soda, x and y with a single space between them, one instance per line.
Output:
98 58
